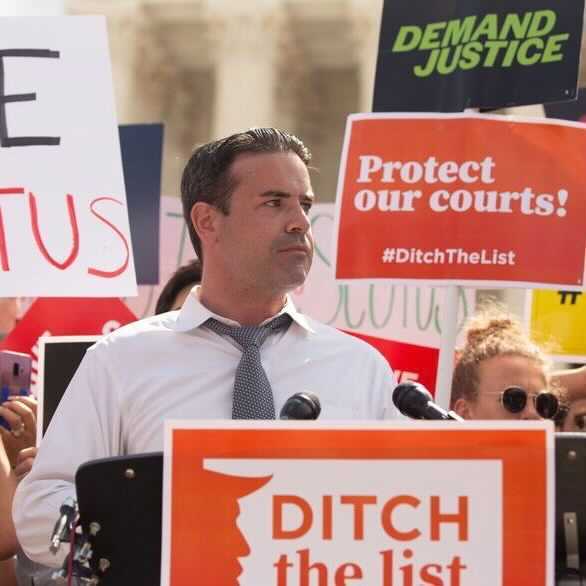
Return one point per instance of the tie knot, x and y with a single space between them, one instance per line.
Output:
248 336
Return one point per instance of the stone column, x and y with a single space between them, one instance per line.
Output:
246 63
365 31
128 40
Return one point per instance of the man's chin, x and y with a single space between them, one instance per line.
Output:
295 279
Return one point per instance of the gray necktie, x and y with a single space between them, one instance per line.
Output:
253 397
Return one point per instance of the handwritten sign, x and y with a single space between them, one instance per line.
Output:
63 215
480 200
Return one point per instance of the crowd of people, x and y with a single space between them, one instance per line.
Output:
227 342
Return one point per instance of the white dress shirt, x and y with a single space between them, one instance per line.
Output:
167 367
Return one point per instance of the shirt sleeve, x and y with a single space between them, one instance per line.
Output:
86 426
381 383
390 411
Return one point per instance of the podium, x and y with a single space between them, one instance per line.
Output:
570 508
124 495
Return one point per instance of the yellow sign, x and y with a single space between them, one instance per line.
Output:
558 322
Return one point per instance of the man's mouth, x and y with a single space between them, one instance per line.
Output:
297 248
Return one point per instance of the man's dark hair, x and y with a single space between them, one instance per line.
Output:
207 178
188 274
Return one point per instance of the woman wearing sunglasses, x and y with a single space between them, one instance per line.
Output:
573 381
500 373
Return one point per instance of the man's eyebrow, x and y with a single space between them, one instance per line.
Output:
285 194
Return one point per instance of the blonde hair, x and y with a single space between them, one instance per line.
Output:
491 332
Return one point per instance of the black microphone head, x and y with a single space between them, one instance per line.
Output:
410 398
301 406
68 506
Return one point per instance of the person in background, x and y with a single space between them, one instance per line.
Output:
17 452
573 382
178 287
12 465
8 543
9 310
500 373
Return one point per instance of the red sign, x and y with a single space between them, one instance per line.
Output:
483 200
66 317
408 361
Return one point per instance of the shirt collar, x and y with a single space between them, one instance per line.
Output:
193 314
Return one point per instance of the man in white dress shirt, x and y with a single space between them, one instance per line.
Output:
246 200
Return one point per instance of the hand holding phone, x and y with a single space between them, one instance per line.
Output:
20 413
15 378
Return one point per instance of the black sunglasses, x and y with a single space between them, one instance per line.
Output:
514 400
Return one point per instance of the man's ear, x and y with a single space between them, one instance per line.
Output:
462 408
203 218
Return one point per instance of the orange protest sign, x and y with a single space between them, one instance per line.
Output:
462 198
249 503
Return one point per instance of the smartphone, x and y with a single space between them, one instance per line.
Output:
15 376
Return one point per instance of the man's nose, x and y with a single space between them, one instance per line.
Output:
298 221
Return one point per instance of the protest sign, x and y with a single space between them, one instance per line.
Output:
462 199
58 360
558 323
63 215
361 504
65 317
449 56
408 361
558 318
142 151
571 110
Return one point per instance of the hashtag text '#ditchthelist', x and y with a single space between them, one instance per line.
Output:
441 256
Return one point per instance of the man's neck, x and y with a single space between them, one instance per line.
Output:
245 307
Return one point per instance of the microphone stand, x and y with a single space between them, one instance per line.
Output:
77 562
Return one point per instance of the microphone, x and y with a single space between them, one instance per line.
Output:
67 516
415 401
301 406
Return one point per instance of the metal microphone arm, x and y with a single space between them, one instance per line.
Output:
65 524
80 550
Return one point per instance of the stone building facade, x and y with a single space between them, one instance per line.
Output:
206 68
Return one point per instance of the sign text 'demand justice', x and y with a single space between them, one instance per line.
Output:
490 41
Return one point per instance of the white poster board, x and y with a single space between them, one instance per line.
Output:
63 216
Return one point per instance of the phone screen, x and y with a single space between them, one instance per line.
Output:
15 376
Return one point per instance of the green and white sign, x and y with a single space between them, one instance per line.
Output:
448 56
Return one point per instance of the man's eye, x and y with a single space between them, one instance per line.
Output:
306 205
273 203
